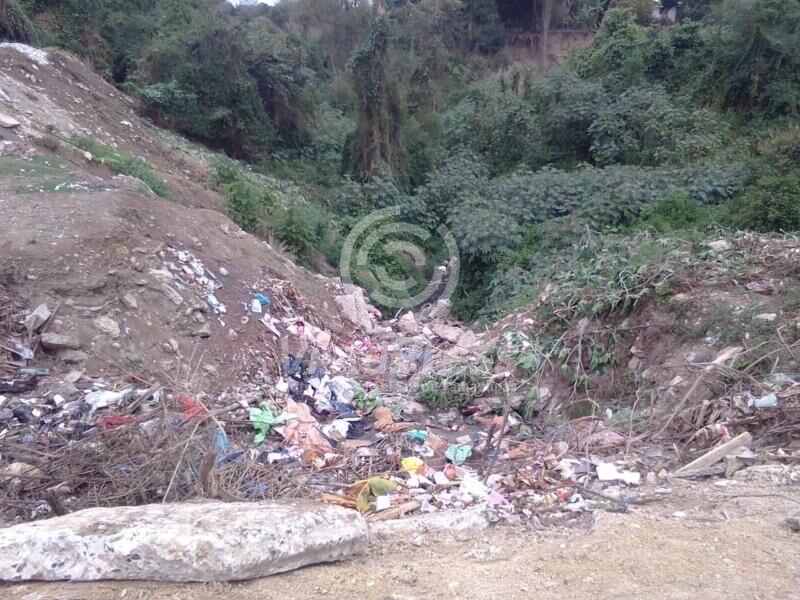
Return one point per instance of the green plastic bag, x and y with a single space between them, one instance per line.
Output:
458 454
263 419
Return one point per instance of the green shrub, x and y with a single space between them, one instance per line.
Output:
455 387
495 123
642 9
755 67
296 228
772 204
566 106
124 164
617 51
247 202
645 126
675 210
15 25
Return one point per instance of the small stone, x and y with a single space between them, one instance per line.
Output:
141 282
57 341
108 326
7 122
232 335
88 156
66 390
173 295
323 340
440 310
407 325
224 272
173 345
20 472
447 332
793 523
202 332
405 369
766 317
651 479
199 317
719 245
679 514
37 318
211 370
413 408
72 356
467 340
73 376
129 300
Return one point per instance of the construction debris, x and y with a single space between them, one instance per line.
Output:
717 454
206 542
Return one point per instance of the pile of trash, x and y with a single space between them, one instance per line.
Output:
310 404
326 412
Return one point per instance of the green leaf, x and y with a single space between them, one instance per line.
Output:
362 501
380 486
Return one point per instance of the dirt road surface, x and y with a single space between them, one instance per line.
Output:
710 540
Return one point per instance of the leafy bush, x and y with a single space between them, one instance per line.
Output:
495 123
247 203
642 9
15 25
676 57
296 228
645 126
756 63
772 204
674 211
124 164
617 51
566 106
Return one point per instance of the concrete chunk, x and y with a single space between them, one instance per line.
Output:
57 341
205 541
715 455
447 332
7 122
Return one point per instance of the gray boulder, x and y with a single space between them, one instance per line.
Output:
447 332
204 541
355 308
57 341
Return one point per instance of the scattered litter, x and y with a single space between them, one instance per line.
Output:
768 401
458 454
610 472
263 420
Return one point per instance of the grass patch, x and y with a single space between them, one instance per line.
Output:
37 166
121 163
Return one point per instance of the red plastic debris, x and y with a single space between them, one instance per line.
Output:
111 422
193 408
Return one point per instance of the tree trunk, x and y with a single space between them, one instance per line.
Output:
547 11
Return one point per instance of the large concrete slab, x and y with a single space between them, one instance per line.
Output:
206 541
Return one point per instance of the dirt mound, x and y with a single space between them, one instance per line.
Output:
105 257
52 93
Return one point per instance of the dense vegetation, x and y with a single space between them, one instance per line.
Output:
418 105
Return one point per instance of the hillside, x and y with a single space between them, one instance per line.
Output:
426 265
